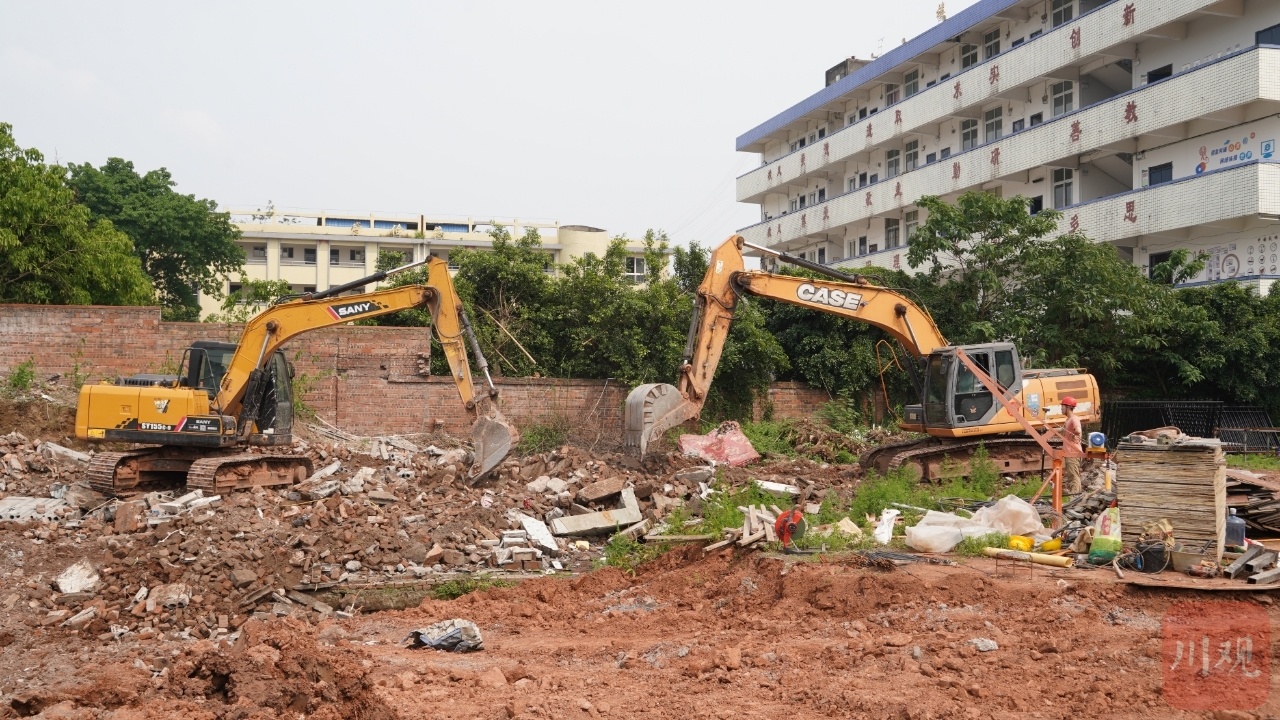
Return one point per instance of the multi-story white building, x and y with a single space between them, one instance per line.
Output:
1151 124
317 250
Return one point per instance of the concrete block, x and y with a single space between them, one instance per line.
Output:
538 533
602 490
601 523
80 577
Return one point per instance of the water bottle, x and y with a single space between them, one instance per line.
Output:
1235 530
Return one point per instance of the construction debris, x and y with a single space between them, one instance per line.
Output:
451 635
726 444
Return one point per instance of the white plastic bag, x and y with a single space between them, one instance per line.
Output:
933 538
1012 515
884 529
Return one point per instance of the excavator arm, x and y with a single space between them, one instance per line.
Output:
240 391
654 408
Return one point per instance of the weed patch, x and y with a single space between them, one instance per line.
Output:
22 377
627 554
545 435
1254 462
454 589
973 546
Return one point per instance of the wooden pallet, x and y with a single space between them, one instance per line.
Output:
1184 484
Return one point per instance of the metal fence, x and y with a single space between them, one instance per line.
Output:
1241 428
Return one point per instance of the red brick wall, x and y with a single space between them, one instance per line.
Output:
364 379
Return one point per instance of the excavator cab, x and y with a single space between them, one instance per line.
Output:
953 397
205 363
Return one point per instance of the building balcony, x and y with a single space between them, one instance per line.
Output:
1237 88
1090 42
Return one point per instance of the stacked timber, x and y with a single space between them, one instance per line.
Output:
1183 482
1255 499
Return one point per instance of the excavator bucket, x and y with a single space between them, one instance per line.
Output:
652 410
493 436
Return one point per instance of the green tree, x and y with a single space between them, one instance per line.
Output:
689 265
185 244
979 245
51 250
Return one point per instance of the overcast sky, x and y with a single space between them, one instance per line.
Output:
621 116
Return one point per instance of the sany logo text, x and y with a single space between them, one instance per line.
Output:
346 310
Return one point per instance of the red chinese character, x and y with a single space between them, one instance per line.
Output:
1075 39
769 231
826 150
897 260
955 171
1131 112
804 220
958 93
868 198
1131 211
897 116
802 162
1129 13
779 172
1075 131
826 213
995 74
995 156
1075 223
770 174
779 230
897 190
868 130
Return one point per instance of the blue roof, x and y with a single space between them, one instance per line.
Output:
922 43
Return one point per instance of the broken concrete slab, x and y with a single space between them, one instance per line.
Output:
382 497
80 577
174 595
599 523
539 534
57 453
325 471
602 490
695 475
32 508
242 577
322 490
778 488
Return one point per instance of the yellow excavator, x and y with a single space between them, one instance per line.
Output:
199 425
956 385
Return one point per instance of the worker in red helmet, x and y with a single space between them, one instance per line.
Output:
1072 434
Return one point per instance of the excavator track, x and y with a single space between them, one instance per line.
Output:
929 453
215 475
111 473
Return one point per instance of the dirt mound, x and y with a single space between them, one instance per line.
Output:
274 670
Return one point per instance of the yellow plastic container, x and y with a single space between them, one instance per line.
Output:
1021 542
1051 545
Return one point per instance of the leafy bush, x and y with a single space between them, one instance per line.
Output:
22 377
548 434
627 554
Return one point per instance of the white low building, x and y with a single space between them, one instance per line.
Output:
1151 124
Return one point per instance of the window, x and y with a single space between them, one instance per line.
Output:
453 264
862 179
1017 42
1035 205
1270 36
357 256
822 132
308 288
1063 97
1063 180
931 158
795 204
1161 174
1159 73
912 220
892 162
813 138
944 153
853 183
822 255
968 135
873 248
913 154
862 245
875 178
892 226
862 114
1036 119
1063 11
994 124
260 251
1035 34
309 256
911 83
968 56
286 253
822 194
813 198
635 269
945 77
335 256
1018 125
890 94
991 43
1156 259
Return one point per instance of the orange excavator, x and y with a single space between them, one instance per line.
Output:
967 394
198 425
